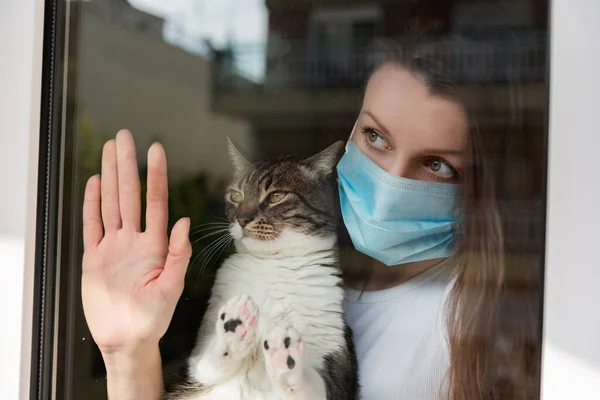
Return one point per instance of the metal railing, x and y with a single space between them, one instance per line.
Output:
298 65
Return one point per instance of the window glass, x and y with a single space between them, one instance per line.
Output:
443 92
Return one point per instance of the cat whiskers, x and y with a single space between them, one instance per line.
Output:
208 229
215 248
207 253
208 226
216 232
271 238
219 244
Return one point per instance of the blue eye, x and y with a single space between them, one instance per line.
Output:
374 138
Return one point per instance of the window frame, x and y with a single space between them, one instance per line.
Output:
570 319
572 39
52 150
20 119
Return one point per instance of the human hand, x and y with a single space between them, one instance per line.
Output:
131 280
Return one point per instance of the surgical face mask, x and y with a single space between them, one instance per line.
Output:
391 219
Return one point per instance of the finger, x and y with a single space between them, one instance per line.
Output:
111 215
129 181
180 251
92 221
157 213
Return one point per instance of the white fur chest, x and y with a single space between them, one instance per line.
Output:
300 291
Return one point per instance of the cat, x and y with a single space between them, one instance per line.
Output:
274 327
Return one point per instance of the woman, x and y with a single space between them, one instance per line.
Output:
427 328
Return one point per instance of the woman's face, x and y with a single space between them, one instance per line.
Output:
410 132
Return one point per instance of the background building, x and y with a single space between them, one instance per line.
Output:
127 76
318 54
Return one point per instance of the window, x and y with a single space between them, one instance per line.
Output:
279 78
340 38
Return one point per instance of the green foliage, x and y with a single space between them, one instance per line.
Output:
89 149
190 198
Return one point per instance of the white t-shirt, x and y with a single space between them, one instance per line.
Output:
400 337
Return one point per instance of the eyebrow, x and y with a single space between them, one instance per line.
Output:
430 151
445 151
378 122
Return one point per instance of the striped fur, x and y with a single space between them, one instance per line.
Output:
274 328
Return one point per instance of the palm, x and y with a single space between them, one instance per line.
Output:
131 280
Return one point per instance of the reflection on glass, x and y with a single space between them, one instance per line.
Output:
289 77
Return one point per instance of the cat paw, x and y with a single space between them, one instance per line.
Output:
284 358
236 327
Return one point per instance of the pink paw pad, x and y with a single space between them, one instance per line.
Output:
284 356
236 326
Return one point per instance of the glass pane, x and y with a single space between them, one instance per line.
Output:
438 206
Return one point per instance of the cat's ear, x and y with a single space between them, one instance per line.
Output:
325 162
237 159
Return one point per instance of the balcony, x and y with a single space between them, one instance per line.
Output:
290 79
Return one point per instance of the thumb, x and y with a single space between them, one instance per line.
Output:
180 251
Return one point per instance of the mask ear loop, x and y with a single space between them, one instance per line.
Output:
351 136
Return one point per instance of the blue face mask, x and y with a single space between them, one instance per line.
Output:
391 219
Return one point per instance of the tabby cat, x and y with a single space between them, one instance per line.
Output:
274 327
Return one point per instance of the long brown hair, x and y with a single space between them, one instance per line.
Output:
493 343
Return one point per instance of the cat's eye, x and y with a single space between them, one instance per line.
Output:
276 197
236 197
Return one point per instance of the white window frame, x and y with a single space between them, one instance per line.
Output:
571 334
21 45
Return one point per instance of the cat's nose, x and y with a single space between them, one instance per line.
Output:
243 221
